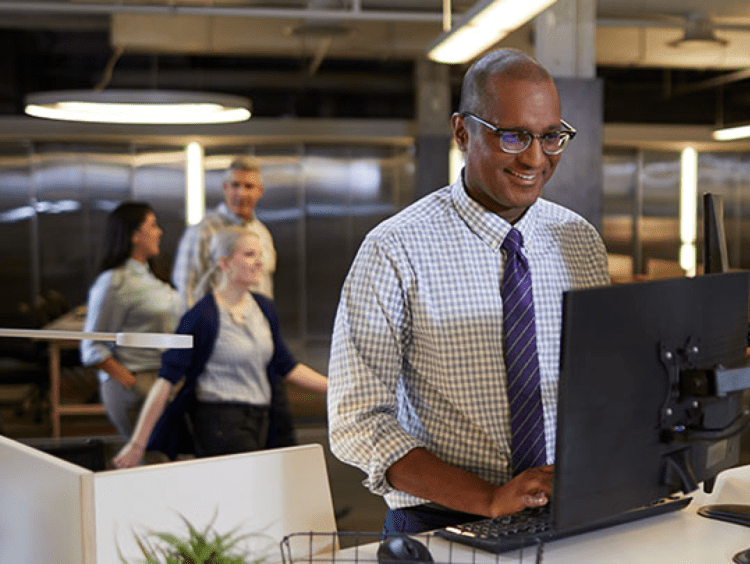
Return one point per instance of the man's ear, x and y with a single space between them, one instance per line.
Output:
460 132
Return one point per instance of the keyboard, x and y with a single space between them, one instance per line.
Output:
533 526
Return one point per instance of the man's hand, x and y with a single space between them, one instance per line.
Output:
531 488
424 475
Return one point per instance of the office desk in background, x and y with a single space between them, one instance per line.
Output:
71 321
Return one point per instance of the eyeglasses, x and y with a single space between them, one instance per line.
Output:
515 141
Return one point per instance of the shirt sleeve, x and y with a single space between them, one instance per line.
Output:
265 284
187 266
370 334
600 263
269 251
105 313
596 267
176 363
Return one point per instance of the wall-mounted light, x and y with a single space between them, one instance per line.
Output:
486 23
688 209
138 106
195 185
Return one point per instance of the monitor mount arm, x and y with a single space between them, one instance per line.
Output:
681 412
677 411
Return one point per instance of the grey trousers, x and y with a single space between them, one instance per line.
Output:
124 404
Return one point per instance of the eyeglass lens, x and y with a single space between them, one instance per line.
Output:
517 142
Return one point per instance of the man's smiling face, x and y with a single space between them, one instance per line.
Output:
505 183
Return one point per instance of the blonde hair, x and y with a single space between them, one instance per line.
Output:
223 244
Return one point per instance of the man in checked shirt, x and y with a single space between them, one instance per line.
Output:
417 394
243 187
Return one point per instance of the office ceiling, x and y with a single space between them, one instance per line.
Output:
355 58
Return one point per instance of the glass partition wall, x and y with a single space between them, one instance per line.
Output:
641 196
319 202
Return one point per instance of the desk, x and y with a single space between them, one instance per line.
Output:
682 537
71 321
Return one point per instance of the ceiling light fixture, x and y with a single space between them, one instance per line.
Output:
699 34
486 23
138 106
732 133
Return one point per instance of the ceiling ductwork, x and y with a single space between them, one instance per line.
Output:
692 41
331 58
654 33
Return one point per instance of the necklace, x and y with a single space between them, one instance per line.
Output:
237 311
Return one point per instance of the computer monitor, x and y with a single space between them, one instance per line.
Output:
715 255
650 399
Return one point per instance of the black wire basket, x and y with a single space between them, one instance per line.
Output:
348 547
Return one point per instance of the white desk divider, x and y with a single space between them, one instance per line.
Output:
40 506
274 492
54 511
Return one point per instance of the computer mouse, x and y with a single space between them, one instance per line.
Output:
742 557
401 548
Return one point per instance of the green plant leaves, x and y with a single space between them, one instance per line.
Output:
197 547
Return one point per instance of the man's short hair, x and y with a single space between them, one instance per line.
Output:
512 63
241 163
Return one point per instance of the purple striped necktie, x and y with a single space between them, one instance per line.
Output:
521 360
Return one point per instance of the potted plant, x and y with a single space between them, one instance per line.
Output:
204 546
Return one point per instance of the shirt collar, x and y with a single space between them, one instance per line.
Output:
489 226
225 212
137 266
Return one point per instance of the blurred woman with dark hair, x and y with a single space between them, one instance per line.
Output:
128 297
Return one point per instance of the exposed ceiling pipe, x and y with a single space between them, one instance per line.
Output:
354 13
214 10
716 82
671 21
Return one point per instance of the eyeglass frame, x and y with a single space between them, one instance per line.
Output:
498 131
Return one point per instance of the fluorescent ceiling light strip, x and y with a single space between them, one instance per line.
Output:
688 209
731 133
195 189
484 25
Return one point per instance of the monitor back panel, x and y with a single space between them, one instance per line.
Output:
609 456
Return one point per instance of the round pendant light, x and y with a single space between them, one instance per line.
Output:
138 106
